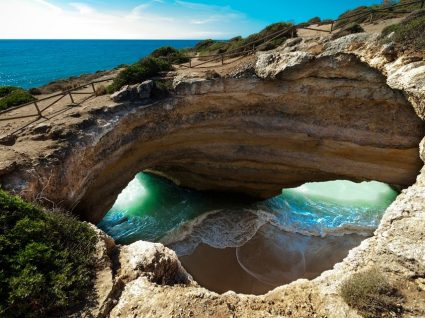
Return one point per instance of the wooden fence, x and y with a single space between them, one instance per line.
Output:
57 97
247 49
252 47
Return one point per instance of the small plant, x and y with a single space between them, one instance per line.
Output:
170 54
371 294
351 28
240 45
410 33
46 260
6 90
35 91
16 98
101 90
161 89
139 72
315 20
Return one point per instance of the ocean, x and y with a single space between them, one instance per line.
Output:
33 63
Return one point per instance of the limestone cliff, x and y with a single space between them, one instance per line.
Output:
310 110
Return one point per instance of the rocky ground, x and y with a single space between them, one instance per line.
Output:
59 159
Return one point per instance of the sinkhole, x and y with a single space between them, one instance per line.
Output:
228 242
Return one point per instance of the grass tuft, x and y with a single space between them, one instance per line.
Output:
371 294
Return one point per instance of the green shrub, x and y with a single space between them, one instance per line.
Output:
410 33
314 20
204 45
240 45
139 72
46 260
351 28
15 98
383 15
35 91
161 89
170 54
371 294
6 90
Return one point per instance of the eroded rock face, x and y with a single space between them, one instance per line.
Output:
315 110
305 117
326 118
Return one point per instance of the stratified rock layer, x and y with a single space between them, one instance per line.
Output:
316 110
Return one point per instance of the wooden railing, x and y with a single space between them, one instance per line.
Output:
253 46
247 49
57 97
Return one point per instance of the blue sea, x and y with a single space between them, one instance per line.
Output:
33 63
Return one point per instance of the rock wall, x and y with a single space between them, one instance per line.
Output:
328 118
303 118
316 110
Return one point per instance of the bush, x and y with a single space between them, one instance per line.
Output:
314 20
161 89
376 15
237 44
15 98
101 90
410 33
35 91
203 45
139 72
6 90
351 28
170 54
46 260
371 294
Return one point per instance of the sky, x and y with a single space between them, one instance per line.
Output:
156 19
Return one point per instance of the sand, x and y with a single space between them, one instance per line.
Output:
270 259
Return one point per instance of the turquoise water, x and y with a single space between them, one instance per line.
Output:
154 209
32 63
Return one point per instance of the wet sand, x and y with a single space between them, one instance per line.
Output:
219 270
270 259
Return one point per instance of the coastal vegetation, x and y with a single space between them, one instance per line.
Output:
140 71
13 96
46 260
6 90
410 33
171 55
382 15
371 294
239 44
350 28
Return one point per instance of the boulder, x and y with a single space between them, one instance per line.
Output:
134 92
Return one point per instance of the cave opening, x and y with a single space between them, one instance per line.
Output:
232 242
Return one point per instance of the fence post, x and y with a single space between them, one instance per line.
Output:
371 17
38 110
72 99
190 62
332 26
222 59
94 89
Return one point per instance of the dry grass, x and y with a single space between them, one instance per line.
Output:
372 295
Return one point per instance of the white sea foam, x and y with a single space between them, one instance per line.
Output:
234 228
218 229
